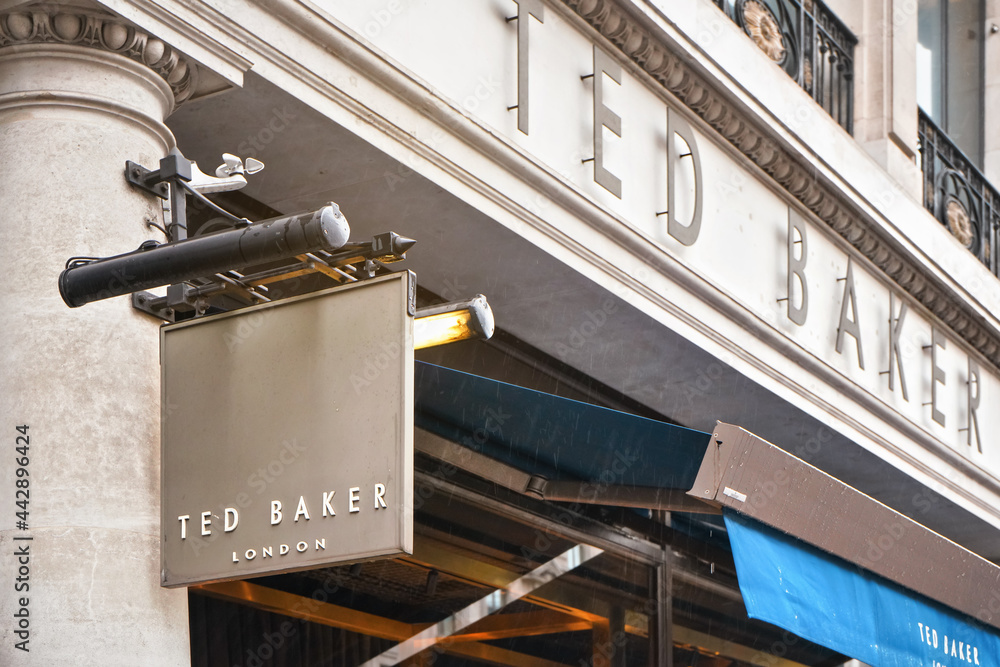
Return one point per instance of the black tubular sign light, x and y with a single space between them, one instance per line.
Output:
84 281
201 272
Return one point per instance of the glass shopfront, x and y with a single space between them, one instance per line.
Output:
498 578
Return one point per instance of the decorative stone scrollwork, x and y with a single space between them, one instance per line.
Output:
79 27
956 207
763 29
959 223
790 170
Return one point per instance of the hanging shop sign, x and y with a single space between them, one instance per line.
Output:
273 459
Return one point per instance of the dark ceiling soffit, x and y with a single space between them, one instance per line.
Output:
571 491
750 475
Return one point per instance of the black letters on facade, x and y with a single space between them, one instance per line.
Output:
895 332
850 326
796 268
975 393
605 118
684 233
937 373
524 9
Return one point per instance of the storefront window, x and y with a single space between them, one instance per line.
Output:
710 626
484 586
502 580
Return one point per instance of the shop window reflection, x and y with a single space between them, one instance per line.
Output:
950 56
600 609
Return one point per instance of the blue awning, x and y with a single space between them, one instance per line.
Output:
553 436
848 609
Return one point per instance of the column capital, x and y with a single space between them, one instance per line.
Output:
77 26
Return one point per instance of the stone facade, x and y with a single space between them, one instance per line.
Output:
83 88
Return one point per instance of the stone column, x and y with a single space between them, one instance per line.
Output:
81 93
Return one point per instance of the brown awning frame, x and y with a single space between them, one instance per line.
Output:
745 473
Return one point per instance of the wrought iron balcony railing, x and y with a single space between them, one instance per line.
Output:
958 194
809 43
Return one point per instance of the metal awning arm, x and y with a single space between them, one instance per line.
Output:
618 495
571 491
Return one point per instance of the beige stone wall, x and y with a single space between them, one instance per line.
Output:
85 381
885 112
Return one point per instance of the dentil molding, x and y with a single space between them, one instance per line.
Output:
76 26
792 171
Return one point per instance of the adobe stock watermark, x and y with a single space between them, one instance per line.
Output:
275 125
279 639
458 453
258 482
902 13
249 323
779 480
485 88
712 28
776 651
814 444
622 461
382 18
990 613
605 651
271 643
453 290
580 335
877 547
688 402
376 362
923 502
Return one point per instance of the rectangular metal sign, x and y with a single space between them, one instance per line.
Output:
287 435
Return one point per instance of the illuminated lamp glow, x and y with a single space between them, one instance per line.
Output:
451 322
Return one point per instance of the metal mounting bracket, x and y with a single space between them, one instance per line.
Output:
146 179
180 298
153 305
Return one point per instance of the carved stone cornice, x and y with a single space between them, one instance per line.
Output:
792 171
76 26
